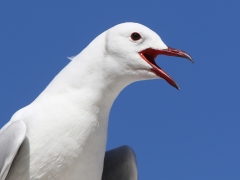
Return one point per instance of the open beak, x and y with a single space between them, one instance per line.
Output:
150 54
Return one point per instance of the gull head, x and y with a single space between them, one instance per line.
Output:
133 48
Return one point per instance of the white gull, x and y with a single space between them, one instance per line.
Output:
62 134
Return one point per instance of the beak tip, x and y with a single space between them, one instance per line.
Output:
176 86
190 58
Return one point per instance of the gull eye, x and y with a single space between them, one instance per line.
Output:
135 36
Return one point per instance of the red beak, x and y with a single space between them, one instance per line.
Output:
149 56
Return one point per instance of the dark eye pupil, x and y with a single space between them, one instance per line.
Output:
135 36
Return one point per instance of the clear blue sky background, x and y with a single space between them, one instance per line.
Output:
189 134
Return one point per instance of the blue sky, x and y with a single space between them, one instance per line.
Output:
189 134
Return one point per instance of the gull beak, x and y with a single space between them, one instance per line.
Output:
150 54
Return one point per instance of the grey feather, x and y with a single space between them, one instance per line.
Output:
11 138
120 164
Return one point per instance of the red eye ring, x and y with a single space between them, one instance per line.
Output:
135 36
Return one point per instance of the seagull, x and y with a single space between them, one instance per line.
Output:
62 134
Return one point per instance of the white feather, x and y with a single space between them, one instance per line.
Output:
67 123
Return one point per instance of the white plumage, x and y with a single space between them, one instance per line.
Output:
66 125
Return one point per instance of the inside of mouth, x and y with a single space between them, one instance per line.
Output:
149 55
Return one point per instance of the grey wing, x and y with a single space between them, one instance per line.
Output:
120 164
11 138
